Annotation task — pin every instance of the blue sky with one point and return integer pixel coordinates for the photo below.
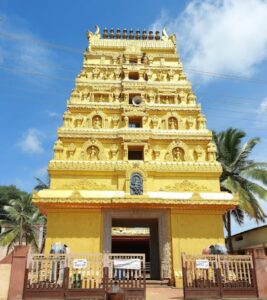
(222, 43)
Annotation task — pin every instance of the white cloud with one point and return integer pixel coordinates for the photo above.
(223, 36)
(263, 107)
(31, 141)
(53, 114)
(19, 47)
(261, 114)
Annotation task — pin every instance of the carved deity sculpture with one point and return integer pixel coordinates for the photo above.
(96, 72)
(191, 99)
(201, 122)
(116, 94)
(113, 152)
(93, 152)
(199, 154)
(82, 74)
(136, 184)
(151, 97)
(211, 151)
(115, 121)
(58, 149)
(178, 154)
(76, 94)
(182, 76)
(78, 121)
(156, 153)
(190, 122)
(183, 97)
(173, 124)
(97, 122)
(67, 119)
(70, 151)
(171, 74)
(155, 122)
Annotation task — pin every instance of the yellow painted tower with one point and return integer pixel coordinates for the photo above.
(134, 151)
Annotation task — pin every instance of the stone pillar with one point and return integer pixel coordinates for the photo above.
(16, 284)
(260, 261)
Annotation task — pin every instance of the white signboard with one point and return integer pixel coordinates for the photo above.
(133, 264)
(79, 263)
(202, 263)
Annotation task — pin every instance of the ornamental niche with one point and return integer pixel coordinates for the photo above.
(97, 122)
(178, 154)
(92, 153)
(136, 184)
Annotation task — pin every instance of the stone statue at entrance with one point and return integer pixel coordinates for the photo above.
(136, 184)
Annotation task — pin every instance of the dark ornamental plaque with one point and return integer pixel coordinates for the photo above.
(136, 184)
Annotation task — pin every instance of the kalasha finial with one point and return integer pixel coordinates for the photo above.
(137, 34)
(150, 35)
(131, 34)
(111, 33)
(118, 34)
(124, 34)
(105, 33)
(144, 35)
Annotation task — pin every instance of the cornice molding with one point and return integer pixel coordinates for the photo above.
(119, 165)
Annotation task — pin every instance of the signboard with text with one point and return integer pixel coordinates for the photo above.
(202, 263)
(79, 263)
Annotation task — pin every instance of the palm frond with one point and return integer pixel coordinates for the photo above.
(9, 236)
(41, 185)
(257, 174)
(244, 152)
(238, 215)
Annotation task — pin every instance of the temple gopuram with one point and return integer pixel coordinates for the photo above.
(134, 167)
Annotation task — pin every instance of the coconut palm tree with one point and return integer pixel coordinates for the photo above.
(41, 185)
(22, 221)
(8, 192)
(241, 175)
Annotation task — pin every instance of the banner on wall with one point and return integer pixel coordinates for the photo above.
(132, 264)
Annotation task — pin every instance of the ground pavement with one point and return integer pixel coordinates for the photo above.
(164, 293)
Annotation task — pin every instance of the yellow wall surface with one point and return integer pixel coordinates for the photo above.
(5, 270)
(191, 233)
(80, 230)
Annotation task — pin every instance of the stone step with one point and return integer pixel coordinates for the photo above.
(157, 283)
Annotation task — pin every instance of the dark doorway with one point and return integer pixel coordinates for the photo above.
(136, 243)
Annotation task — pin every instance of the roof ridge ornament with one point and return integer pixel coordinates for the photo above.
(94, 36)
(165, 35)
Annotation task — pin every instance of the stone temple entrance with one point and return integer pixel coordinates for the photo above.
(139, 236)
(155, 244)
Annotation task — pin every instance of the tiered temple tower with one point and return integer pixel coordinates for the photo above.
(134, 151)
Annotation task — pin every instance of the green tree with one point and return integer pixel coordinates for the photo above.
(22, 221)
(8, 192)
(241, 175)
